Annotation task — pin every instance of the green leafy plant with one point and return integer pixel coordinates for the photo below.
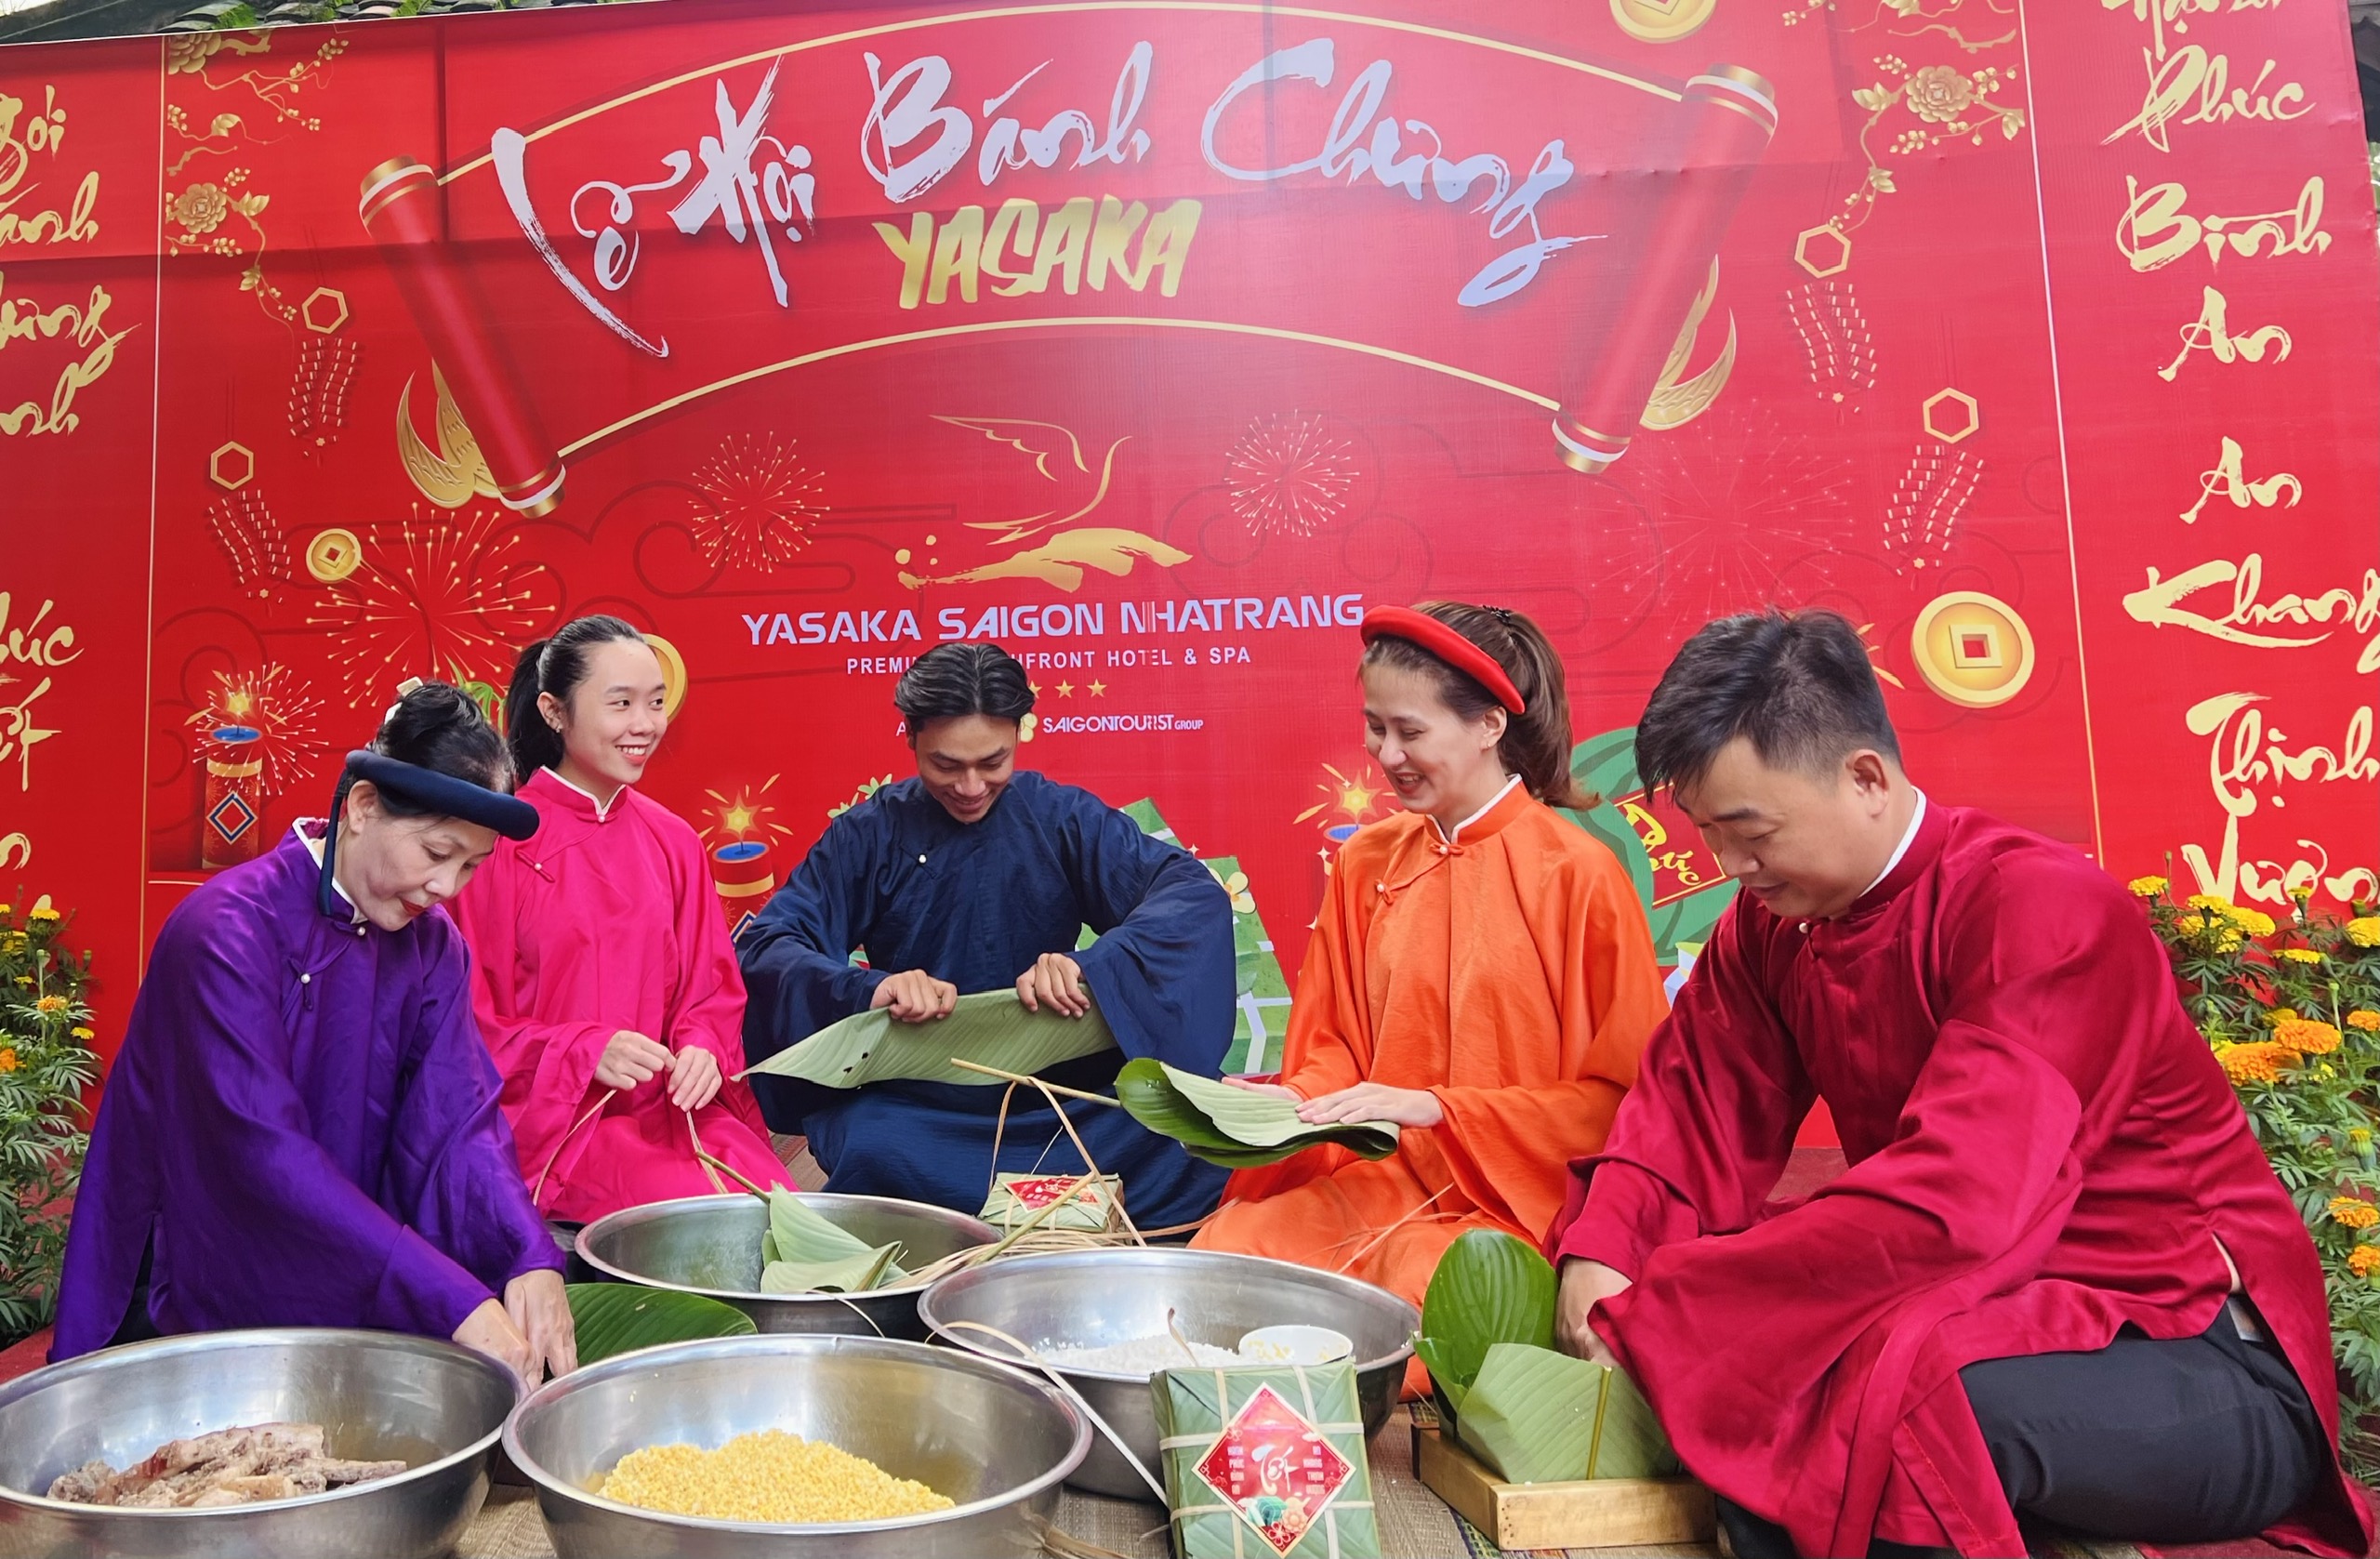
(1232, 1126)
(45, 1063)
(618, 1317)
(2290, 1005)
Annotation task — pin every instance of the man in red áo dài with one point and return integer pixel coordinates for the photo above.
(2058, 1279)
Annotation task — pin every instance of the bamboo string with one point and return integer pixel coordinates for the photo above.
(1044, 1087)
(1374, 1242)
(592, 1111)
(1029, 1354)
(704, 1159)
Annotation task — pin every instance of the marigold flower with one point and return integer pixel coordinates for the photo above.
(2359, 1137)
(2364, 932)
(2281, 1014)
(83, 1034)
(2147, 886)
(2255, 922)
(8, 1059)
(2301, 955)
(2215, 902)
(2306, 1037)
(2259, 1063)
(50, 1004)
(44, 913)
(2354, 1212)
(2362, 1259)
(2364, 1019)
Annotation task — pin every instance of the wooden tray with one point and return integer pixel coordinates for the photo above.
(1594, 1512)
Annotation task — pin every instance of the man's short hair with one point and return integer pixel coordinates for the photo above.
(950, 682)
(1798, 685)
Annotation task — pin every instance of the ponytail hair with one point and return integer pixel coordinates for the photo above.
(555, 666)
(1536, 741)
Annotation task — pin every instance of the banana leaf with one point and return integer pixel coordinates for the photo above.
(849, 1275)
(991, 1028)
(617, 1317)
(1230, 1126)
(1537, 1416)
(1488, 1289)
(800, 1237)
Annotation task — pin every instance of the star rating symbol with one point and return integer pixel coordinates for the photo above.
(1035, 686)
(1099, 689)
(1065, 689)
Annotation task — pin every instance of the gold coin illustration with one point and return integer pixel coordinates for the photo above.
(1661, 22)
(333, 555)
(1973, 649)
(673, 675)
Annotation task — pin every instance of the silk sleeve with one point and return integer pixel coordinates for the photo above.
(1163, 969)
(1706, 1131)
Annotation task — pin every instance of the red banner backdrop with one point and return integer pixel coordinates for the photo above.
(1156, 339)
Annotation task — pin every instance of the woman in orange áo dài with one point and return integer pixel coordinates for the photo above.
(1481, 974)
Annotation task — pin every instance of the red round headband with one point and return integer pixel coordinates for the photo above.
(1403, 622)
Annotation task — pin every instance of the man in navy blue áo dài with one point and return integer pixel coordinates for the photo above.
(975, 876)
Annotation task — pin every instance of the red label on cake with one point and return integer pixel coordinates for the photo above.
(1275, 1469)
(1038, 1194)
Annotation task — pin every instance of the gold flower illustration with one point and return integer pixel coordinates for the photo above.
(1939, 94)
(200, 208)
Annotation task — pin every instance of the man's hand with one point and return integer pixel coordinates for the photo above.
(1056, 979)
(631, 1060)
(1406, 1106)
(915, 996)
(694, 1077)
(1584, 1284)
(539, 1310)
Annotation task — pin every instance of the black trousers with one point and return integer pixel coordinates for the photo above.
(2200, 1440)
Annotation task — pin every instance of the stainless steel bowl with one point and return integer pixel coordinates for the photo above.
(380, 1395)
(1088, 1298)
(991, 1438)
(711, 1245)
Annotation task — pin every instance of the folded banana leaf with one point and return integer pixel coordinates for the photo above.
(1231, 1126)
(617, 1317)
(1016, 1199)
(1487, 1289)
(991, 1028)
(802, 1251)
(1537, 1416)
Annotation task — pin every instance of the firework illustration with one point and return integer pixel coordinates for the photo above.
(1289, 475)
(318, 389)
(1734, 516)
(251, 539)
(268, 717)
(1923, 515)
(745, 815)
(1348, 802)
(448, 597)
(1833, 331)
(870, 786)
(757, 503)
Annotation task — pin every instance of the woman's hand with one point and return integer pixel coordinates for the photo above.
(631, 1060)
(1270, 1091)
(694, 1077)
(1056, 979)
(1406, 1106)
(539, 1312)
(914, 996)
(489, 1329)
(1584, 1284)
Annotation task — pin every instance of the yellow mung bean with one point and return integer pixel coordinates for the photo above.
(769, 1476)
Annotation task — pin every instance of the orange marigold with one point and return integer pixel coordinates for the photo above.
(2364, 1019)
(2258, 1063)
(2306, 1037)
(50, 1004)
(2354, 1211)
(8, 1059)
(2362, 1259)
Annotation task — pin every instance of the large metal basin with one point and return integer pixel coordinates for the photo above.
(1087, 1299)
(378, 1394)
(711, 1245)
(991, 1438)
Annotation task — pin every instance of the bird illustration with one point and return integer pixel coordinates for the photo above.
(1045, 441)
(1062, 559)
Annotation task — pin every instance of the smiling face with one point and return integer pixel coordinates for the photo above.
(395, 869)
(612, 719)
(1439, 763)
(966, 761)
(1805, 844)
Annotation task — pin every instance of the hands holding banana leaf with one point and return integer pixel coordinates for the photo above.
(1372, 1102)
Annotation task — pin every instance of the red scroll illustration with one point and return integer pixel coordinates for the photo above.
(401, 209)
(1727, 119)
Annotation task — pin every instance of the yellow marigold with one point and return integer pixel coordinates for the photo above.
(2255, 922)
(2364, 1019)
(2364, 932)
(2281, 1014)
(2362, 1259)
(8, 910)
(2359, 1137)
(2147, 886)
(2306, 1037)
(2259, 1063)
(44, 913)
(50, 1004)
(2354, 1212)
(2215, 902)
(2301, 955)
(8, 1059)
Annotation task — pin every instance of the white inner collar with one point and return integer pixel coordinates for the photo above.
(1907, 838)
(1454, 834)
(313, 843)
(603, 808)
